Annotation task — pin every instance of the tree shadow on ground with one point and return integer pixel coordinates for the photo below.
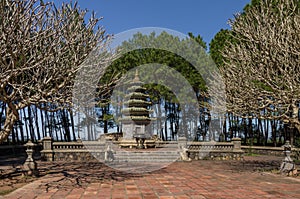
(81, 174)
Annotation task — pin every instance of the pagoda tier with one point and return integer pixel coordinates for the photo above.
(135, 111)
(137, 96)
(137, 103)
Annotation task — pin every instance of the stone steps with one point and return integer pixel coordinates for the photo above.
(146, 156)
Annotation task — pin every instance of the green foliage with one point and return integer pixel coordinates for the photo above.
(217, 44)
(142, 56)
(198, 39)
(275, 4)
(261, 72)
(261, 85)
(224, 37)
(251, 4)
(5, 192)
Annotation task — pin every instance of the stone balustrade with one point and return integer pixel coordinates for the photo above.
(83, 151)
(210, 146)
(216, 150)
(53, 151)
(79, 150)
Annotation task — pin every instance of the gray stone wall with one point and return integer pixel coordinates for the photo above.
(78, 151)
(83, 155)
(72, 151)
(216, 150)
(215, 155)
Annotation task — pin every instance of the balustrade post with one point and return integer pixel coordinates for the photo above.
(183, 150)
(47, 151)
(237, 150)
(288, 166)
(30, 167)
(182, 142)
(237, 144)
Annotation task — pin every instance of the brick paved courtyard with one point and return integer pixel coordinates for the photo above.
(197, 179)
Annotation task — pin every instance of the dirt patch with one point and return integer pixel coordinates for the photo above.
(11, 183)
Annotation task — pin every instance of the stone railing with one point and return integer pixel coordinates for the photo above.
(210, 146)
(53, 151)
(84, 151)
(216, 150)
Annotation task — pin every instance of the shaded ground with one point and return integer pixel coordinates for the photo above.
(197, 179)
(10, 173)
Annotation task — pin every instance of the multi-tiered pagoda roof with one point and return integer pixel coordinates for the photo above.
(137, 103)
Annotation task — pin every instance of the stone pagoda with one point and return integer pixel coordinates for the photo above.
(136, 114)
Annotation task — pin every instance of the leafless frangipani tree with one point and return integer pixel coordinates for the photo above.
(42, 48)
(262, 69)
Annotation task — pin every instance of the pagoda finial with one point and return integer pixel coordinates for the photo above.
(136, 77)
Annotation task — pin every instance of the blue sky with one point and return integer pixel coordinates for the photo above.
(204, 17)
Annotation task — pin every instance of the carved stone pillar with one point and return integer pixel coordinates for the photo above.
(47, 151)
(237, 144)
(30, 167)
(288, 166)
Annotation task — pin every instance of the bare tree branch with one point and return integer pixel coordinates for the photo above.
(262, 70)
(42, 48)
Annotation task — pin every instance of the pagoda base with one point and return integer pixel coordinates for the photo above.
(140, 140)
(131, 129)
(133, 144)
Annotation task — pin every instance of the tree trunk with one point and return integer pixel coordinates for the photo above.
(295, 122)
(105, 121)
(266, 130)
(184, 123)
(166, 120)
(159, 122)
(297, 127)
(3, 107)
(22, 131)
(260, 132)
(250, 131)
(31, 129)
(274, 132)
(230, 126)
(43, 122)
(245, 130)
(11, 118)
(224, 129)
(37, 123)
(72, 124)
(66, 124)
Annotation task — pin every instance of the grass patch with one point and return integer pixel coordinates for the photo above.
(252, 154)
(275, 171)
(5, 192)
(297, 161)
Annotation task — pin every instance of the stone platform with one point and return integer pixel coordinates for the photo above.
(197, 179)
